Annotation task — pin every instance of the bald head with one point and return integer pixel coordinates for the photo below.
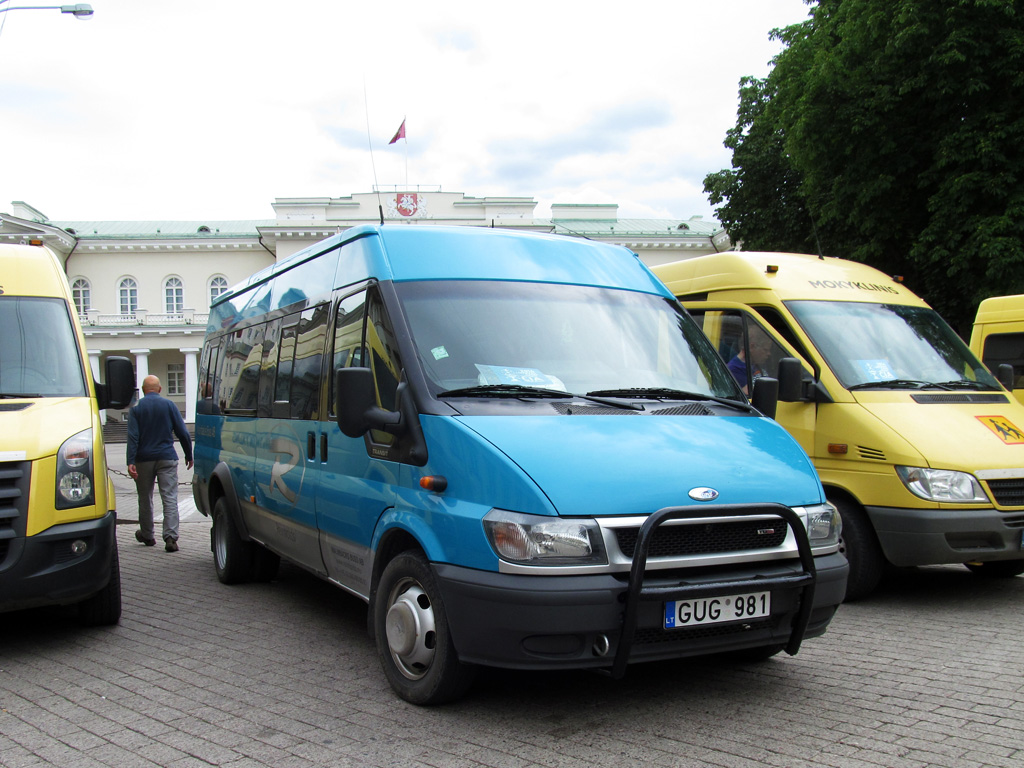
(150, 384)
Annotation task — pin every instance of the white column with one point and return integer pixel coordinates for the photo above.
(141, 366)
(94, 364)
(191, 382)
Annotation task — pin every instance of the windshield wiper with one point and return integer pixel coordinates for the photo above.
(20, 395)
(520, 390)
(665, 393)
(900, 384)
(966, 384)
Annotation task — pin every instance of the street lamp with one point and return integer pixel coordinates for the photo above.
(79, 10)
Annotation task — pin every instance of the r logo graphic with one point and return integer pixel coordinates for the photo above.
(282, 445)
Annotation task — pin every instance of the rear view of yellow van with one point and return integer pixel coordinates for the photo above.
(998, 338)
(57, 519)
(915, 441)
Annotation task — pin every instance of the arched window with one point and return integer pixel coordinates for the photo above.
(128, 293)
(80, 294)
(218, 285)
(174, 296)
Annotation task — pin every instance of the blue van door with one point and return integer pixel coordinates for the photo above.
(357, 479)
(288, 445)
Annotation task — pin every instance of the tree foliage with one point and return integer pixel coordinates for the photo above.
(894, 128)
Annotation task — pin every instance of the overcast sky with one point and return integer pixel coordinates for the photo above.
(211, 109)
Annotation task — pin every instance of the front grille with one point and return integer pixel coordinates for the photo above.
(1008, 493)
(706, 538)
(14, 485)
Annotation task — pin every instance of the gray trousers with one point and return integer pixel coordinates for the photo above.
(165, 473)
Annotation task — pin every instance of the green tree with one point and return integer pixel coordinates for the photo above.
(900, 126)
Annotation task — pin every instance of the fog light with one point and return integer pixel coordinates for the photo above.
(78, 547)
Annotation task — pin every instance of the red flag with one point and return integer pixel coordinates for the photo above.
(400, 134)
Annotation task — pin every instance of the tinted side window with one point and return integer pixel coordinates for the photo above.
(240, 370)
(307, 369)
(347, 349)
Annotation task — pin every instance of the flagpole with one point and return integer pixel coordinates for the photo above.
(406, 158)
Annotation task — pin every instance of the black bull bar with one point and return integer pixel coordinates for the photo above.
(637, 591)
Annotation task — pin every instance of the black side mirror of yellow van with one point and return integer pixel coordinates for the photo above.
(766, 396)
(791, 384)
(119, 388)
(1005, 375)
(355, 403)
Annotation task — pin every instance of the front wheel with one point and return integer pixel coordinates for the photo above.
(998, 569)
(859, 544)
(413, 639)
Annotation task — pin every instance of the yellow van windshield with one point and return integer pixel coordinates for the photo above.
(890, 346)
(38, 353)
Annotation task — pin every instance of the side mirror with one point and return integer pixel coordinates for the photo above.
(120, 386)
(766, 396)
(1005, 375)
(355, 403)
(791, 385)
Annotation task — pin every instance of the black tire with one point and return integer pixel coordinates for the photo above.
(232, 557)
(999, 569)
(413, 640)
(104, 608)
(859, 544)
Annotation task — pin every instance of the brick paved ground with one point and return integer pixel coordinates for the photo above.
(930, 672)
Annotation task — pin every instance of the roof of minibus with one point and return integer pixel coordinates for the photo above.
(415, 252)
(787, 275)
(31, 270)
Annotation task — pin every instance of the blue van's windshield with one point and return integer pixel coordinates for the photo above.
(568, 338)
(890, 346)
(38, 353)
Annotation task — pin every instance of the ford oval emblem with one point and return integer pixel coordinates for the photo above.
(703, 494)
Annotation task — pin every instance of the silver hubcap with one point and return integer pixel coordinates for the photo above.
(409, 625)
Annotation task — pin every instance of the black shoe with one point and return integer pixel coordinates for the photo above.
(171, 545)
(143, 540)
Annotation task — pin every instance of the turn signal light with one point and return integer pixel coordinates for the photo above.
(435, 483)
(838, 448)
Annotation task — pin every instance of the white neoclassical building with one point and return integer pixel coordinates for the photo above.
(143, 288)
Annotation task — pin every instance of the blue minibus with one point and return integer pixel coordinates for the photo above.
(516, 448)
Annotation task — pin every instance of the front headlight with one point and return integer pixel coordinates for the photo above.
(823, 524)
(942, 485)
(74, 471)
(540, 540)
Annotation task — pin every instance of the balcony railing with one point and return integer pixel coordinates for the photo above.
(93, 318)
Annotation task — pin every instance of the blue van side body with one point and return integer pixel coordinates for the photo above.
(357, 508)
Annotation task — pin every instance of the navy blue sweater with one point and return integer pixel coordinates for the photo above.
(152, 425)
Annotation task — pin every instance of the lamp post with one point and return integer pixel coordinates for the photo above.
(79, 10)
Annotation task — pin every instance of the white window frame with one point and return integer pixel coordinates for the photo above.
(128, 295)
(174, 296)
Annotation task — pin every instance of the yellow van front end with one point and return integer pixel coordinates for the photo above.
(916, 443)
(57, 519)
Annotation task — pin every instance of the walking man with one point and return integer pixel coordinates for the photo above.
(152, 426)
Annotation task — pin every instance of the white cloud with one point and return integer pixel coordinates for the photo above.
(212, 108)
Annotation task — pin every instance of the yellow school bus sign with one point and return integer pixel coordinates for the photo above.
(1003, 428)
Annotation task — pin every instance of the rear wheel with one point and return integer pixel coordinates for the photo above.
(232, 557)
(999, 569)
(859, 544)
(413, 640)
(104, 608)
